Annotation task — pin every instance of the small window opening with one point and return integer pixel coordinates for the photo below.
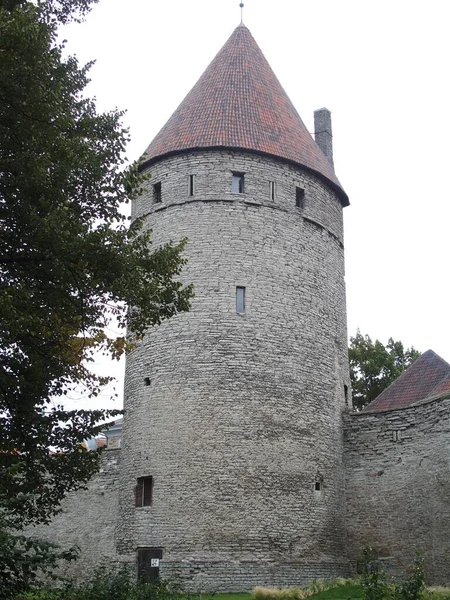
(144, 491)
(240, 299)
(147, 381)
(272, 190)
(318, 485)
(299, 197)
(191, 185)
(157, 196)
(237, 183)
(346, 393)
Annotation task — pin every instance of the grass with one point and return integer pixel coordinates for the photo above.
(239, 596)
(437, 593)
(343, 592)
(316, 589)
(340, 590)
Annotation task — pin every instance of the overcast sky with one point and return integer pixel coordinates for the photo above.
(381, 68)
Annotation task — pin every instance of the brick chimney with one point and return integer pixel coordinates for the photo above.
(323, 134)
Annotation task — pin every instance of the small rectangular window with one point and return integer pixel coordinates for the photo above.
(191, 185)
(299, 197)
(240, 299)
(272, 190)
(144, 491)
(157, 196)
(237, 183)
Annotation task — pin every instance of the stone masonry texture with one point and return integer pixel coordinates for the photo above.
(398, 486)
(88, 521)
(244, 412)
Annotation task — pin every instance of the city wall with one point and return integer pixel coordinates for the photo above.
(398, 485)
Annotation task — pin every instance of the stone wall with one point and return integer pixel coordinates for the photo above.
(244, 576)
(243, 414)
(398, 485)
(88, 520)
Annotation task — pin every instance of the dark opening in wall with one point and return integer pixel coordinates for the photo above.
(240, 299)
(144, 491)
(237, 183)
(318, 485)
(191, 185)
(346, 393)
(147, 381)
(272, 190)
(148, 560)
(157, 195)
(299, 197)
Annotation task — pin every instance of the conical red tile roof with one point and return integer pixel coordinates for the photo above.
(239, 103)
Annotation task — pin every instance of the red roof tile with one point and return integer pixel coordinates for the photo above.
(442, 388)
(428, 376)
(239, 103)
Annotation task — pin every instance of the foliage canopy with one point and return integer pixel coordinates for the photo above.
(373, 366)
(69, 264)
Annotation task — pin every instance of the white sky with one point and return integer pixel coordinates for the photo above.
(382, 68)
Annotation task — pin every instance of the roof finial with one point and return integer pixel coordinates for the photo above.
(242, 12)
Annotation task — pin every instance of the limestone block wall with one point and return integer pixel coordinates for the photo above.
(88, 520)
(398, 485)
(243, 414)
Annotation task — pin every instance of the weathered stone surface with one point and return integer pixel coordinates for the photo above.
(243, 413)
(88, 520)
(398, 485)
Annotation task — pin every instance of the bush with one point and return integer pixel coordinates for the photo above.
(108, 584)
(413, 587)
(372, 576)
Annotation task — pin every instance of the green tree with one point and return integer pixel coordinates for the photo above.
(373, 366)
(69, 268)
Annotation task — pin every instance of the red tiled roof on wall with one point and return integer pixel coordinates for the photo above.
(239, 103)
(428, 376)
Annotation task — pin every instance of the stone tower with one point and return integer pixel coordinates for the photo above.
(232, 472)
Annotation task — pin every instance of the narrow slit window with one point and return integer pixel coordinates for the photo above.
(144, 491)
(147, 381)
(191, 185)
(299, 197)
(318, 485)
(157, 196)
(240, 299)
(237, 183)
(272, 190)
